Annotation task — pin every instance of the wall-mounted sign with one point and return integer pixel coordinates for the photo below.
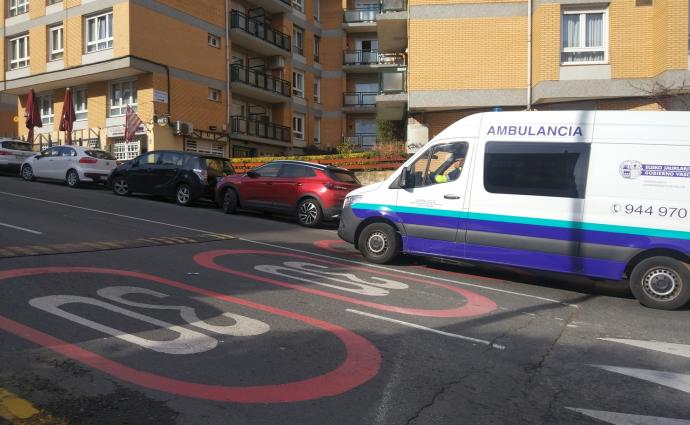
(160, 96)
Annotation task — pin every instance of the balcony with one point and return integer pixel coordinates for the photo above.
(258, 85)
(392, 99)
(391, 25)
(359, 102)
(361, 61)
(257, 36)
(274, 6)
(361, 141)
(362, 18)
(259, 131)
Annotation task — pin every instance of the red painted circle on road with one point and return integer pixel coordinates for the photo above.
(474, 304)
(362, 361)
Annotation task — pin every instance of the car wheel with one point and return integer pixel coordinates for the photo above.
(661, 282)
(229, 201)
(27, 173)
(309, 213)
(379, 243)
(183, 195)
(72, 178)
(120, 186)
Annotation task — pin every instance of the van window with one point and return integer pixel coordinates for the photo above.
(536, 169)
(16, 145)
(440, 164)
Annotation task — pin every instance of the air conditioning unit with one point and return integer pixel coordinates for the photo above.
(183, 128)
(276, 62)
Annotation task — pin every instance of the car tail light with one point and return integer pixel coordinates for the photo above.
(4, 153)
(202, 174)
(336, 186)
(86, 160)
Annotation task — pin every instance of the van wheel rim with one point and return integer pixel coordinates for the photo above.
(28, 173)
(183, 195)
(662, 284)
(308, 213)
(121, 186)
(377, 243)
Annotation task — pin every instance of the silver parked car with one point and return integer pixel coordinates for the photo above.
(71, 164)
(12, 154)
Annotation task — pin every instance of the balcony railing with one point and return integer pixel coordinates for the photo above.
(362, 99)
(361, 140)
(259, 128)
(239, 73)
(239, 20)
(392, 82)
(372, 57)
(365, 13)
(393, 5)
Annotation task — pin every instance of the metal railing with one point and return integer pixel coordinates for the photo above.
(239, 20)
(372, 57)
(393, 6)
(359, 99)
(361, 140)
(239, 73)
(259, 128)
(365, 13)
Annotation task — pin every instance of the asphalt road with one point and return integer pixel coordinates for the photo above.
(136, 311)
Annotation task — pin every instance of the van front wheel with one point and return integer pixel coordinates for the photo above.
(661, 282)
(379, 243)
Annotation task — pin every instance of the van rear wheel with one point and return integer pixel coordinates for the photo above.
(379, 243)
(661, 282)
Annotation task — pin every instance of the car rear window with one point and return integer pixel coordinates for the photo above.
(219, 166)
(17, 146)
(101, 155)
(343, 176)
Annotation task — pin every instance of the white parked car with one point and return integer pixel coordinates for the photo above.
(13, 153)
(71, 164)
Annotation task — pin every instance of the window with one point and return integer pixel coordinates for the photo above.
(122, 94)
(123, 150)
(55, 43)
(317, 90)
(298, 126)
(202, 146)
(296, 171)
(45, 106)
(298, 4)
(171, 158)
(317, 10)
(268, 170)
(213, 94)
(584, 36)
(19, 52)
(18, 7)
(214, 41)
(298, 36)
(317, 47)
(317, 131)
(67, 152)
(49, 2)
(298, 83)
(536, 169)
(441, 164)
(81, 111)
(99, 32)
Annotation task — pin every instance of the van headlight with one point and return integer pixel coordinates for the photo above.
(349, 200)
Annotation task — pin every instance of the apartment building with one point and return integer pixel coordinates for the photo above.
(471, 56)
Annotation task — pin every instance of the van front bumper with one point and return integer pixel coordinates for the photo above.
(347, 228)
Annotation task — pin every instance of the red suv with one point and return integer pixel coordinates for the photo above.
(313, 192)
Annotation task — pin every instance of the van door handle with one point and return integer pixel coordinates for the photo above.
(452, 197)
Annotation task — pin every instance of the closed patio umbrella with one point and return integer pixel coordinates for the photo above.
(67, 118)
(32, 114)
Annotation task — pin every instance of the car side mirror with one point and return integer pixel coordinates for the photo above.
(39, 156)
(253, 174)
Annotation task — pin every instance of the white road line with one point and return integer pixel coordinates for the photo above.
(424, 328)
(668, 379)
(628, 419)
(682, 350)
(21, 228)
(488, 288)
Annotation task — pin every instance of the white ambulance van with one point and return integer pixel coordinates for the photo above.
(604, 194)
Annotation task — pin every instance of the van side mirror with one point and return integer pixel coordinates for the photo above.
(406, 180)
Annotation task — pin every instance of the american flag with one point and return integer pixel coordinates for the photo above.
(132, 124)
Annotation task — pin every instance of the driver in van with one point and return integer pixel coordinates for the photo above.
(456, 169)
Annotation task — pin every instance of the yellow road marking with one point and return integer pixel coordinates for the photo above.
(18, 411)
